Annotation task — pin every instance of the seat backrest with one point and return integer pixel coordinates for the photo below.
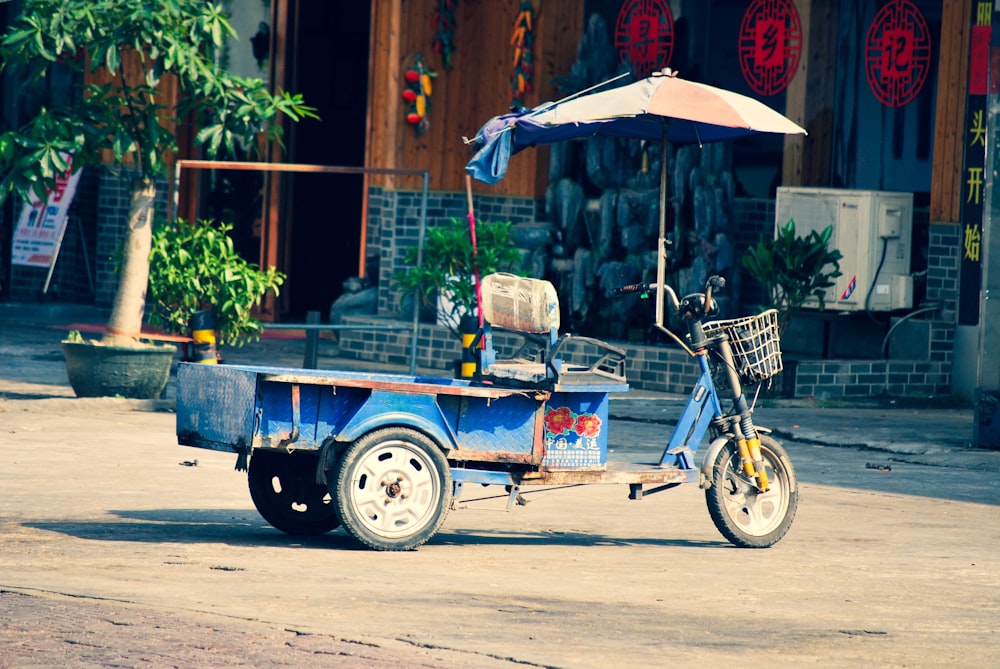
(520, 303)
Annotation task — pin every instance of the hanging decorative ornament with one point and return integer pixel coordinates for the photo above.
(417, 93)
(523, 41)
(770, 45)
(644, 35)
(898, 53)
(444, 30)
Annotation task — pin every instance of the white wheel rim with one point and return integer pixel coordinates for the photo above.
(395, 490)
(756, 514)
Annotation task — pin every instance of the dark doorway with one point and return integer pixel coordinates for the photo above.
(7, 208)
(328, 59)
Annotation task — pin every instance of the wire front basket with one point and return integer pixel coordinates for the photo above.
(755, 342)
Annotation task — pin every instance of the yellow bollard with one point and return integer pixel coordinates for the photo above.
(469, 326)
(203, 334)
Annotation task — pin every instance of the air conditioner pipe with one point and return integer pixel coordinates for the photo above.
(888, 335)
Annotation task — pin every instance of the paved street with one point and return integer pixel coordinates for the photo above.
(120, 548)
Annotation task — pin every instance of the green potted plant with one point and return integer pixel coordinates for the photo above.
(793, 269)
(448, 267)
(196, 276)
(138, 43)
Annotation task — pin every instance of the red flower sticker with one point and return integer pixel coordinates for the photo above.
(559, 421)
(588, 425)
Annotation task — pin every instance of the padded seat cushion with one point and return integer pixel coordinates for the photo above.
(520, 303)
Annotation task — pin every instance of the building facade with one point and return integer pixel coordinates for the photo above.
(892, 92)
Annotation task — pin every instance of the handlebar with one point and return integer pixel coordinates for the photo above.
(713, 282)
(643, 288)
(693, 308)
(696, 305)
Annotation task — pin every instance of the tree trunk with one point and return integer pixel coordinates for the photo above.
(129, 305)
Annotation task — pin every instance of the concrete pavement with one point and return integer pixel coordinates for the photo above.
(116, 551)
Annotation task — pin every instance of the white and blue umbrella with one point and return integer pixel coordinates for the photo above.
(659, 107)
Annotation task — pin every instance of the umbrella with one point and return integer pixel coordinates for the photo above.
(660, 107)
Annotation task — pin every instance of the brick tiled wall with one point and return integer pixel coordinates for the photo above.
(944, 242)
(943, 262)
(900, 378)
(394, 227)
(112, 217)
(667, 368)
(753, 219)
(661, 368)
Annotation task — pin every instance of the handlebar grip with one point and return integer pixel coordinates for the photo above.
(710, 307)
(631, 288)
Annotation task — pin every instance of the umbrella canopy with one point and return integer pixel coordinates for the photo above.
(659, 107)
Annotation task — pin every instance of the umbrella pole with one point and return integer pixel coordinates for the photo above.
(661, 252)
(475, 251)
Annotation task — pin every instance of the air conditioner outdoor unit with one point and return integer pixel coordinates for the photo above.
(873, 231)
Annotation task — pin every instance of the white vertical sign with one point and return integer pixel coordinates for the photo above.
(41, 224)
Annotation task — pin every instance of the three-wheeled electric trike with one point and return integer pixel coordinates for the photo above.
(387, 455)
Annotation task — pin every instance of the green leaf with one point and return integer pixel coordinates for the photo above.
(792, 268)
(827, 233)
(40, 47)
(112, 60)
(448, 261)
(195, 266)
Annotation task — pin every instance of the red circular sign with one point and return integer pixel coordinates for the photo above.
(770, 45)
(644, 35)
(897, 53)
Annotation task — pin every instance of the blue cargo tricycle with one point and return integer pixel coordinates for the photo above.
(387, 455)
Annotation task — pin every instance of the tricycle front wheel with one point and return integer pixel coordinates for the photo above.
(393, 489)
(744, 515)
(283, 488)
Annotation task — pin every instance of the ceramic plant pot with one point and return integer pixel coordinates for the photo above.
(136, 372)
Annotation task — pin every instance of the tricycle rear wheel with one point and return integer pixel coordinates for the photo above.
(283, 488)
(745, 516)
(393, 489)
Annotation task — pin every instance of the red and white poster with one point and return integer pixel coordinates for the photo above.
(41, 224)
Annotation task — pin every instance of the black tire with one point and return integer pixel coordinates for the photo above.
(744, 516)
(393, 489)
(283, 488)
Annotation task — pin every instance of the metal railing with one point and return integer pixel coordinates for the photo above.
(313, 329)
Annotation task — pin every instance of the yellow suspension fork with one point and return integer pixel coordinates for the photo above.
(753, 462)
(749, 447)
(750, 457)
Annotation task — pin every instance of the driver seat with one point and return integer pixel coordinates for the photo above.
(530, 308)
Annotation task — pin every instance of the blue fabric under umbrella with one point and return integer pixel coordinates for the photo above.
(658, 107)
